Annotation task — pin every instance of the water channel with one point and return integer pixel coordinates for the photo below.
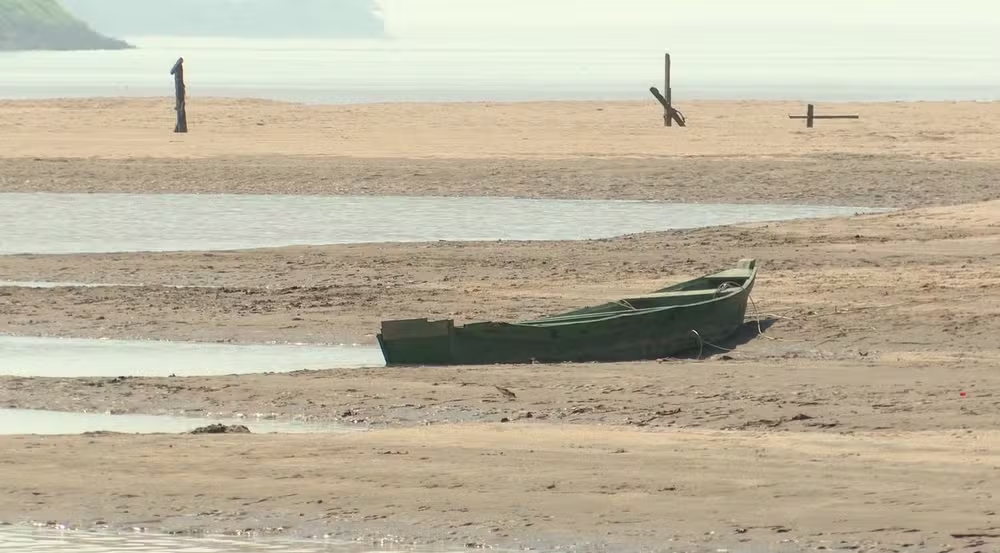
(28, 540)
(72, 357)
(15, 422)
(42, 223)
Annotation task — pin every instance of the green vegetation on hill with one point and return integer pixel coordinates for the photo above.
(46, 25)
(331, 19)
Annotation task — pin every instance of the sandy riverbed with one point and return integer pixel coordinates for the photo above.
(533, 485)
(898, 154)
(844, 422)
(908, 281)
(141, 128)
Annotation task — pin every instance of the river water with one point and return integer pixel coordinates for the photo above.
(802, 61)
(78, 223)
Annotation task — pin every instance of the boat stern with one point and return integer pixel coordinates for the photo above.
(416, 342)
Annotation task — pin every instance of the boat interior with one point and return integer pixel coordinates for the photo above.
(686, 293)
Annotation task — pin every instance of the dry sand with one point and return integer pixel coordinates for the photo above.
(842, 426)
(141, 128)
(904, 154)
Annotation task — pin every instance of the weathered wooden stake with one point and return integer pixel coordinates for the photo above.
(668, 93)
(810, 116)
(179, 90)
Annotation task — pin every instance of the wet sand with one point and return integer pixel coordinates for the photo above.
(838, 422)
(816, 179)
(902, 392)
(530, 486)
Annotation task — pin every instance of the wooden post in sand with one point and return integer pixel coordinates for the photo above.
(668, 92)
(670, 115)
(179, 90)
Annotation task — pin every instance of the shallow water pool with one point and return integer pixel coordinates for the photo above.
(45, 284)
(73, 357)
(53, 541)
(73, 284)
(27, 421)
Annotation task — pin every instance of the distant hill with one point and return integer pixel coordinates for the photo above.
(45, 25)
(232, 18)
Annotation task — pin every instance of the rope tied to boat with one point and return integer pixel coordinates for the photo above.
(626, 304)
(728, 287)
(701, 341)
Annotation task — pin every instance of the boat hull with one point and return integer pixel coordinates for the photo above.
(613, 332)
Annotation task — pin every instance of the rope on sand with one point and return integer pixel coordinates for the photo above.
(702, 343)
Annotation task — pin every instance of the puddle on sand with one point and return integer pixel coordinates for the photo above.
(39, 284)
(50, 541)
(27, 421)
(71, 284)
(74, 223)
(64, 541)
(72, 357)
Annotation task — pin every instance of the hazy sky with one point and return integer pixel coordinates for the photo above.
(421, 17)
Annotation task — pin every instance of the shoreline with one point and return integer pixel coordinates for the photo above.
(860, 209)
(642, 98)
(223, 94)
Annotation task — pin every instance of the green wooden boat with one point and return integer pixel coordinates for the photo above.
(652, 326)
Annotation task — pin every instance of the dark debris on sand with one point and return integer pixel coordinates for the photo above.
(221, 429)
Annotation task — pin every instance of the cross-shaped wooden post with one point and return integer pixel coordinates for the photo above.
(670, 115)
(811, 116)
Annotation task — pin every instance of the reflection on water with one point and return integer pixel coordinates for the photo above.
(74, 223)
(27, 421)
(71, 357)
(50, 541)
